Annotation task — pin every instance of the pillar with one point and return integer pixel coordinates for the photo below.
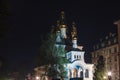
(72, 74)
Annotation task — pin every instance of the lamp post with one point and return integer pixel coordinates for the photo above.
(37, 78)
(104, 77)
(109, 75)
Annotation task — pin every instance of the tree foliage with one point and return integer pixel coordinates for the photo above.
(53, 56)
(100, 70)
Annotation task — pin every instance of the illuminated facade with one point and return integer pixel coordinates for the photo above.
(76, 68)
(108, 48)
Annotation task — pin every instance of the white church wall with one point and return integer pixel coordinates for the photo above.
(77, 55)
(89, 67)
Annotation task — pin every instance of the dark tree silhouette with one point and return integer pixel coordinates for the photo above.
(52, 56)
(100, 69)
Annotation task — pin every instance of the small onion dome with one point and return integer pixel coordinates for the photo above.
(58, 31)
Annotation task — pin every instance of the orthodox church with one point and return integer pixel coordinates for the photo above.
(76, 68)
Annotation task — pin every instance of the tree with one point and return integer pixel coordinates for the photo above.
(53, 56)
(100, 70)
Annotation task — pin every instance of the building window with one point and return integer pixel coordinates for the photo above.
(109, 50)
(110, 60)
(115, 58)
(112, 50)
(115, 40)
(115, 49)
(116, 67)
(109, 42)
(69, 56)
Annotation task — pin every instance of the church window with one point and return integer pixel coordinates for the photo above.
(75, 56)
(115, 58)
(81, 74)
(87, 73)
(79, 57)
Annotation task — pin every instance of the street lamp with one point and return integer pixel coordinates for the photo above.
(104, 77)
(37, 78)
(109, 75)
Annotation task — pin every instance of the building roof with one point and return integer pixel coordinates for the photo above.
(107, 41)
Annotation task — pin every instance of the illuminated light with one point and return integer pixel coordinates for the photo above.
(104, 77)
(80, 47)
(74, 38)
(109, 73)
(58, 31)
(37, 78)
(63, 26)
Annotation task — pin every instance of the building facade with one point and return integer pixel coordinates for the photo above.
(76, 67)
(118, 27)
(108, 48)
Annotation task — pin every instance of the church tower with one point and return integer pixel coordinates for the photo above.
(74, 35)
(63, 25)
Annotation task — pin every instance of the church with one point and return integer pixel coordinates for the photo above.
(76, 68)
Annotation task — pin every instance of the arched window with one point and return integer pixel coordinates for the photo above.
(75, 73)
(75, 56)
(86, 73)
(81, 74)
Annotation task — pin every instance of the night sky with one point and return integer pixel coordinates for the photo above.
(28, 19)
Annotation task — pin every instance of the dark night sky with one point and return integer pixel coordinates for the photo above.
(31, 18)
